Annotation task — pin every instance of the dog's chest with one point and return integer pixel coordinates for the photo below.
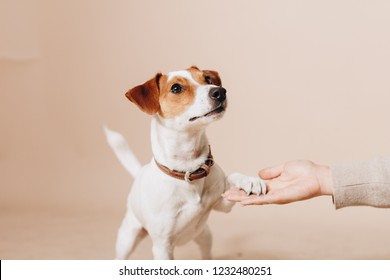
(191, 215)
(170, 207)
(193, 201)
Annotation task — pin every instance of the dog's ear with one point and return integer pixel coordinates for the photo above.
(146, 96)
(213, 76)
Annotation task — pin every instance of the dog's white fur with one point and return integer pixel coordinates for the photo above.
(170, 210)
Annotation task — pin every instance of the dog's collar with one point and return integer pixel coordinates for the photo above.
(189, 176)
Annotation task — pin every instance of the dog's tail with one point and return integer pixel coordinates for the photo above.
(125, 155)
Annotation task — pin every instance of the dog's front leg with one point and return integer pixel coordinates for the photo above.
(251, 185)
(162, 250)
(204, 240)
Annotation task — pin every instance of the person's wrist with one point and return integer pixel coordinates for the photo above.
(324, 176)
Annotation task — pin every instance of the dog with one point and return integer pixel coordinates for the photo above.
(172, 196)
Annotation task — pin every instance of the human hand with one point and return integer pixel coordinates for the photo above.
(288, 182)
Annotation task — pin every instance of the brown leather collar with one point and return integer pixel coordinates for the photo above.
(188, 176)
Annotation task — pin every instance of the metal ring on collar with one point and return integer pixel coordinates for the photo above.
(187, 177)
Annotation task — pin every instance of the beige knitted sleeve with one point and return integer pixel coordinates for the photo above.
(362, 183)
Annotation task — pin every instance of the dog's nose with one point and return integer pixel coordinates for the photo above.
(218, 93)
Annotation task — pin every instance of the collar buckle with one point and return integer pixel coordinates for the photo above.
(187, 177)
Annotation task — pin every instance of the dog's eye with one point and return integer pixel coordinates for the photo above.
(208, 80)
(176, 88)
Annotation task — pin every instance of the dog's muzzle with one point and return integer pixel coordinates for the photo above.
(218, 96)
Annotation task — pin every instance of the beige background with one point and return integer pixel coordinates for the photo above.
(305, 80)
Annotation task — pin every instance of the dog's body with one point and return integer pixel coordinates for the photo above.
(174, 210)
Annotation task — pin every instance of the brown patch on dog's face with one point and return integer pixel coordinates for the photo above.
(176, 96)
(212, 77)
(205, 77)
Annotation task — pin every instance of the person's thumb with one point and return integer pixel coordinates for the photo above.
(271, 172)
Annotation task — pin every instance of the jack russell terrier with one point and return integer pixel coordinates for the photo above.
(172, 196)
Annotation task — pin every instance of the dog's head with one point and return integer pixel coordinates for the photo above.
(184, 98)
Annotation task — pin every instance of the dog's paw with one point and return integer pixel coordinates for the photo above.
(250, 185)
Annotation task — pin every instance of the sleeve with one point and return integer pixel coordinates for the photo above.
(362, 183)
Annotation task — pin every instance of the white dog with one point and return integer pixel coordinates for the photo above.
(173, 195)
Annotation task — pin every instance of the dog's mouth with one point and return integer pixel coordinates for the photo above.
(216, 111)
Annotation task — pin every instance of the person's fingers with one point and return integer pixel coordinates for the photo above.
(279, 196)
(234, 195)
(271, 172)
(260, 200)
(232, 191)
